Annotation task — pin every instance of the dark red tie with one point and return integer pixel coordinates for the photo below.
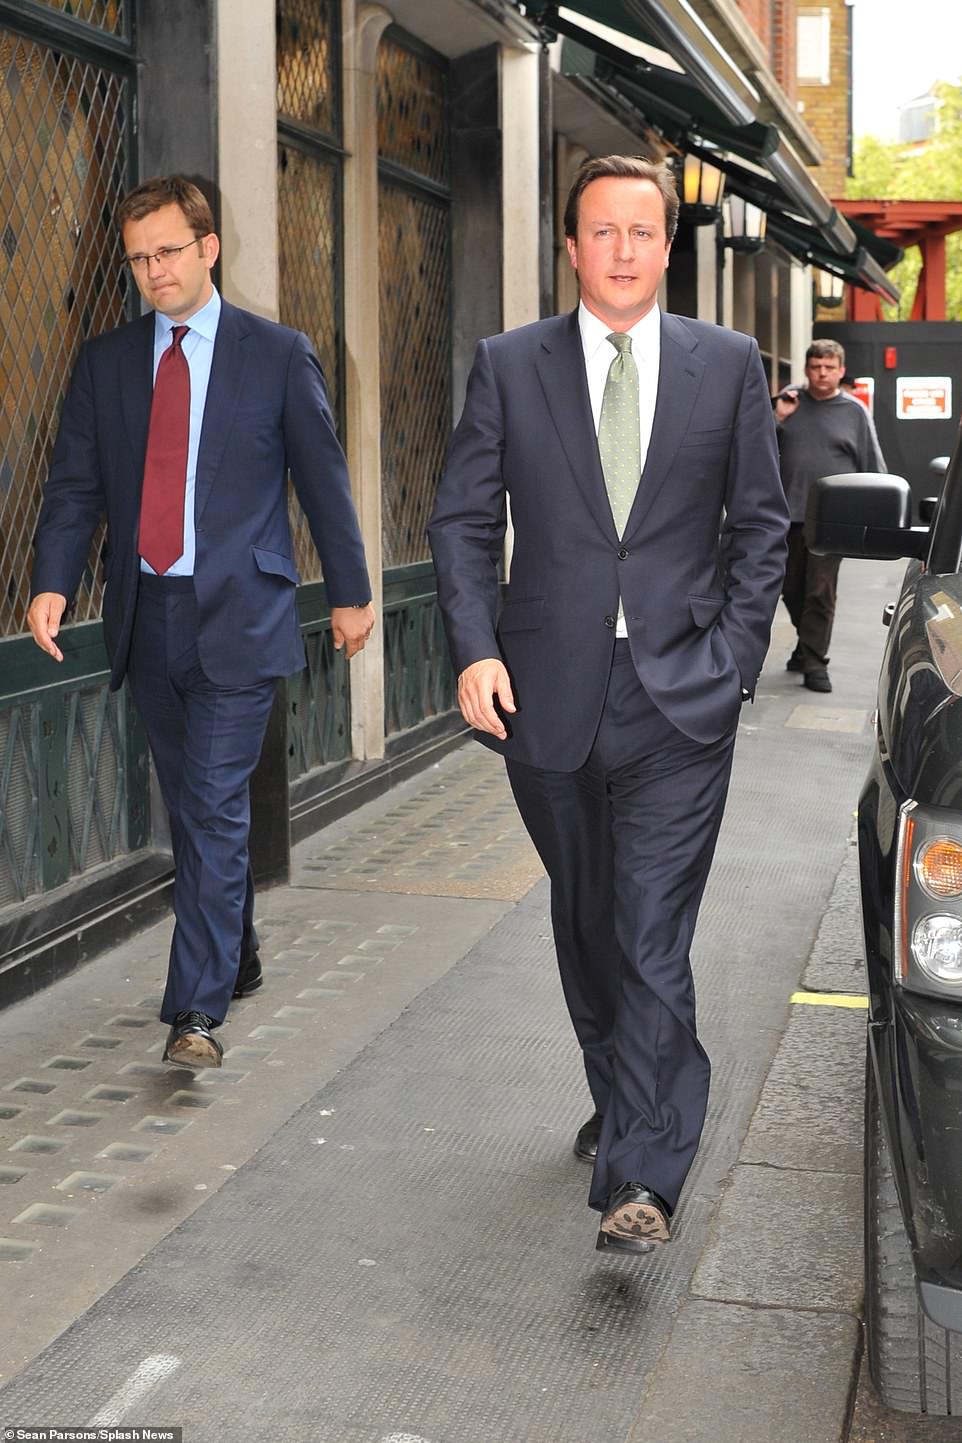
(165, 466)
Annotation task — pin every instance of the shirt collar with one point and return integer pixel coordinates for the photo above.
(645, 334)
(203, 321)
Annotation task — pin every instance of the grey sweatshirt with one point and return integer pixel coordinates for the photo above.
(824, 438)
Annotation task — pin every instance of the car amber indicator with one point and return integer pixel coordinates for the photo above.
(938, 868)
(903, 881)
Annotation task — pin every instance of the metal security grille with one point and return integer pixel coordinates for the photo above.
(415, 365)
(412, 124)
(418, 680)
(109, 15)
(307, 39)
(96, 777)
(308, 203)
(63, 169)
(415, 292)
(308, 186)
(319, 707)
(20, 812)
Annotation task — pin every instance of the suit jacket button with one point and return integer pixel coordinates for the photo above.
(609, 621)
(622, 554)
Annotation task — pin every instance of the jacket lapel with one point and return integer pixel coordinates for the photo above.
(561, 370)
(680, 373)
(137, 383)
(227, 369)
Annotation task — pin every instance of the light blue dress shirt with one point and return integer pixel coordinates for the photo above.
(198, 349)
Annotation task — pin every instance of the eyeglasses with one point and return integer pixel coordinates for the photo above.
(165, 254)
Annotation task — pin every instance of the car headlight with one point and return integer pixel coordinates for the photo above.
(928, 941)
(937, 947)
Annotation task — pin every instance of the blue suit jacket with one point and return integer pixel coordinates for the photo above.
(700, 564)
(266, 411)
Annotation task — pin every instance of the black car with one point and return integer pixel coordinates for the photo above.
(910, 862)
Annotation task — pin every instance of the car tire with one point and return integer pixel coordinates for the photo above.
(915, 1365)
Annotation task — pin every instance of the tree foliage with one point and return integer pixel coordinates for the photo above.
(895, 170)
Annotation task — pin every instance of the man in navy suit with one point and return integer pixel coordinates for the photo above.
(638, 453)
(202, 638)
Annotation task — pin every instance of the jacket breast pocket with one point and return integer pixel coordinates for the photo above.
(717, 436)
(522, 615)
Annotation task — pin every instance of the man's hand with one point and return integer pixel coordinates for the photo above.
(351, 625)
(44, 618)
(478, 685)
(786, 404)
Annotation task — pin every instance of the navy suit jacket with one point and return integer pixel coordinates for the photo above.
(266, 411)
(699, 567)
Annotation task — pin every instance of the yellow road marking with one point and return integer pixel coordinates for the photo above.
(829, 999)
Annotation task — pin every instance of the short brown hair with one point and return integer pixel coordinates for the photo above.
(824, 348)
(627, 167)
(164, 190)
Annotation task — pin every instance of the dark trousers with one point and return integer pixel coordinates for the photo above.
(627, 841)
(809, 591)
(205, 741)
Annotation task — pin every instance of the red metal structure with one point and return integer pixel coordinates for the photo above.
(922, 223)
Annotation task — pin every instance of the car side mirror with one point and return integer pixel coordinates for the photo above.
(864, 514)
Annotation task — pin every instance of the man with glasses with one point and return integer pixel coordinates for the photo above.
(180, 428)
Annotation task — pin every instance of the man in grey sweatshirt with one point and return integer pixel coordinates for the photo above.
(821, 431)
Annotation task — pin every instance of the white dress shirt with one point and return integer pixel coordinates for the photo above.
(599, 354)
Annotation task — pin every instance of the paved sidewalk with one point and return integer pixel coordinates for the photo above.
(369, 1226)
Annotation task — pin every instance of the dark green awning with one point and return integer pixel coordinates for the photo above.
(603, 12)
(682, 109)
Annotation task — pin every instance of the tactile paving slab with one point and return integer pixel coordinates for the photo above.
(454, 832)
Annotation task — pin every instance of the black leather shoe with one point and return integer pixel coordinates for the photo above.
(586, 1143)
(795, 662)
(249, 976)
(191, 1043)
(818, 679)
(635, 1220)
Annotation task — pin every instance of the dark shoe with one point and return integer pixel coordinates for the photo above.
(818, 679)
(249, 976)
(586, 1143)
(795, 662)
(635, 1220)
(191, 1043)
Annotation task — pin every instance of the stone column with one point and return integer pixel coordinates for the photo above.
(247, 153)
(706, 261)
(520, 172)
(800, 281)
(363, 25)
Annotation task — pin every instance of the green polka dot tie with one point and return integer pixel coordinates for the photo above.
(619, 441)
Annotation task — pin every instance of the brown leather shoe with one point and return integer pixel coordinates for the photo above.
(586, 1143)
(191, 1043)
(635, 1220)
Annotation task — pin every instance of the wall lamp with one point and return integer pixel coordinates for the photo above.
(702, 187)
(744, 225)
(829, 288)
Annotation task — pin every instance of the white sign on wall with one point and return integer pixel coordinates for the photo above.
(923, 398)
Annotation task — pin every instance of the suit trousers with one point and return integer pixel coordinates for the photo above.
(627, 841)
(205, 741)
(809, 591)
